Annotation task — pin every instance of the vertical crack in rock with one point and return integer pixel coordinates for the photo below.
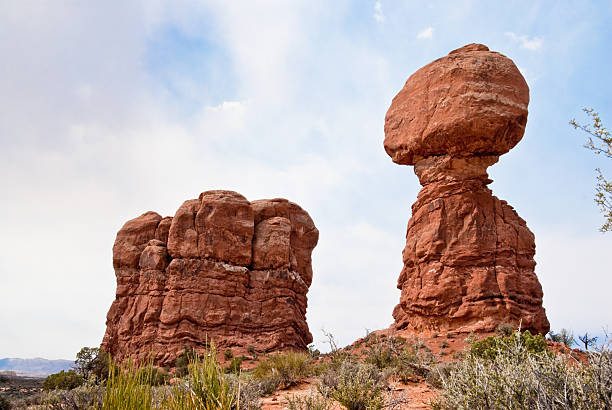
(468, 260)
(216, 271)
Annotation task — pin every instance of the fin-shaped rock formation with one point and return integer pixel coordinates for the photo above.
(468, 260)
(223, 269)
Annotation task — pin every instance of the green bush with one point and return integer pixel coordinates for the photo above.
(92, 361)
(181, 363)
(62, 380)
(490, 347)
(3, 378)
(287, 368)
(357, 386)
(235, 364)
(228, 354)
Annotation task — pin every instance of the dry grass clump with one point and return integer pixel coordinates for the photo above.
(282, 370)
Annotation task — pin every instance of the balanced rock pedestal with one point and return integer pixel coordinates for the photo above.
(223, 269)
(468, 260)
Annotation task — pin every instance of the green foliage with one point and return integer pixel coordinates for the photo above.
(357, 386)
(228, 354)
(3, 378)
(517, 377)
(235, 364)
(564, 336)
(600, 142)
(92, 361)
(206, 387)
(286, 368)
(63, 380)
(129, 388)
(381, 353)
(181, 363)
(490, 347)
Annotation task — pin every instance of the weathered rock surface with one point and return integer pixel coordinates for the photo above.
(468, 260)
(223, 269)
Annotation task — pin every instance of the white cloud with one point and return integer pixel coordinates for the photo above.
(426, 33)
(378, 12)
(532, 44)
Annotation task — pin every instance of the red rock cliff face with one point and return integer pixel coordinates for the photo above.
(222, 269)
(468, 260)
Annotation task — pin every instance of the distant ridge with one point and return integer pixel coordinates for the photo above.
(36, 367)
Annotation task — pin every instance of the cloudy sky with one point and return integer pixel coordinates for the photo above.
(110, 109)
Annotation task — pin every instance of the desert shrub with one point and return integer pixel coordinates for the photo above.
(64, 380)
(444, 344)
(181, 363)
(357, 386)
(505, 329)
(491, 346)
(268, 385)
(383, 353)
(413, 362)
(287, 367)
(87, 396)
(228, 354)
(250, 392)
(235, 364)
(4, 378)
(564, 336)
(438, 373)
(312, 401)
(4, 404)
(518, 377)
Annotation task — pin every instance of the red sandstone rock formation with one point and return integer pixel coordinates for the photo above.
(222, 269)
(468, 260)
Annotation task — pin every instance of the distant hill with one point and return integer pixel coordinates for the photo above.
(34, 367)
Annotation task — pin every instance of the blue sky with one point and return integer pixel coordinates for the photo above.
(115, 108)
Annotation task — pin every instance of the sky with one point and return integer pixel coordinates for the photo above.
(111, 109)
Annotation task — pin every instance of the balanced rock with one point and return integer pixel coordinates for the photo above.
(468, 260)
(222, 270)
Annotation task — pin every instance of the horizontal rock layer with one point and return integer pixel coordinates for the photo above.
(223, 269)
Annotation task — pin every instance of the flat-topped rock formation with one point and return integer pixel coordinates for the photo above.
(223, 269)
(468, 260)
